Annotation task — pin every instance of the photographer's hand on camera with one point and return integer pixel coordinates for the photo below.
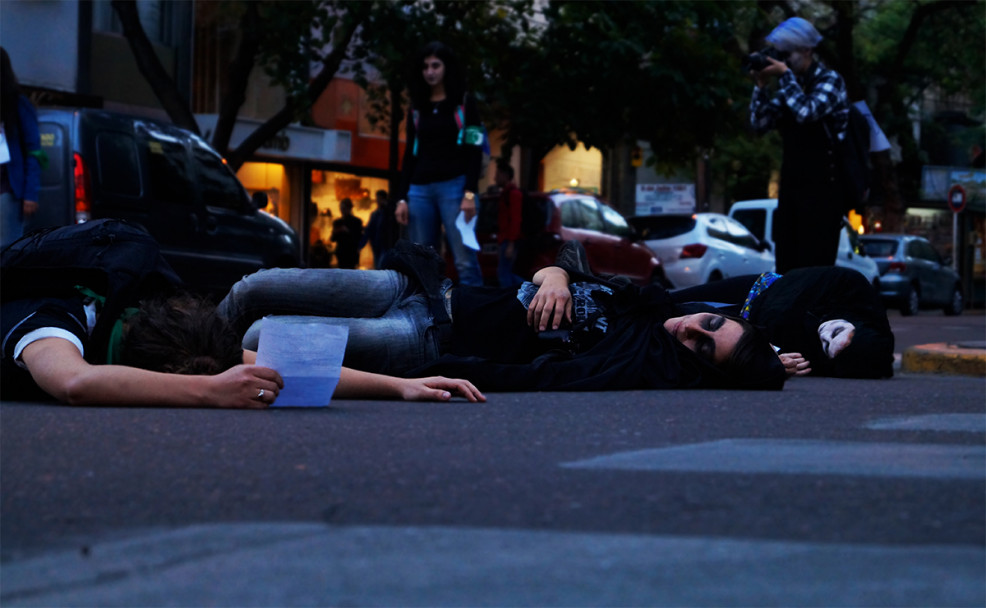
(775, 68)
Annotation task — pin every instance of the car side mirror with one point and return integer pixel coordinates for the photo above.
(259, 199)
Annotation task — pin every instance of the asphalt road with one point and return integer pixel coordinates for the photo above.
(831, 492)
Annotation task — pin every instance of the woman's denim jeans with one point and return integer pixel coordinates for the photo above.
(431, 206)
(390, 331)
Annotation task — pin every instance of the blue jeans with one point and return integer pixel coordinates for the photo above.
(11, 219)
(391, 331)
(431, 206)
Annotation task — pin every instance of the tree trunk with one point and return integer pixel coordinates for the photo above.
(150, 66)
(396, 115)
(294, 105)
(234, 93)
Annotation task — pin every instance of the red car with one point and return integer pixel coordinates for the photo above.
(551, 218)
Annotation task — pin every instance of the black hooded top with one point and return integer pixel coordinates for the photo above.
(793, 307)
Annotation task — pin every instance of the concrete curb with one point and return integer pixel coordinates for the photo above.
(964, 358)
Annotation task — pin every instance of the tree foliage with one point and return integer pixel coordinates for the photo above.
(300, 45)
(602, 73)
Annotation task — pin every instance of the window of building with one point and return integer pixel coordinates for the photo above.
(328, 189)
(156, 16)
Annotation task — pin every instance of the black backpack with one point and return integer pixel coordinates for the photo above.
(113, 258)
(855, 153)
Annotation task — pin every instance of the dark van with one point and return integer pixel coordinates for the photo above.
(105, 164)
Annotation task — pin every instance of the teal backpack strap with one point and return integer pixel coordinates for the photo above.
(414, 117)
(460, 120)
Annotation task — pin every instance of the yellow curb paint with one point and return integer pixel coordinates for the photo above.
(944, 359)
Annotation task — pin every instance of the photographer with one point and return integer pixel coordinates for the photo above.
(809, 107)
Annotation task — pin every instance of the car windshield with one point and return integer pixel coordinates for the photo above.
(879, 248)
(654, 227)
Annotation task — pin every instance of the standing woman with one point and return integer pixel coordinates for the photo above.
(20, 150)
(442, 158)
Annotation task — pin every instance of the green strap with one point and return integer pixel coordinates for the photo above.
(115, 347)
(42, 157)
(115, 344)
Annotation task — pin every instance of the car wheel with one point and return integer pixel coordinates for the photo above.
(956, 304)
(714, 276)
(911, 302)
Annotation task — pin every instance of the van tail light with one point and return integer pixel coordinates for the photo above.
(897, 267)
(695, 250)
(83, 190)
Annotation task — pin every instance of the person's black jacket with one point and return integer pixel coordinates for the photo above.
(794, 306)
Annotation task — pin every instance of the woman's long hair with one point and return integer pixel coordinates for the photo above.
(454, 81)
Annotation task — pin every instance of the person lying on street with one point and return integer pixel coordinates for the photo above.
(566, 329)
(826, 320)
(173, 352)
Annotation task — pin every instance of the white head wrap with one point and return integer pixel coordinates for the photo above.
(793, 34)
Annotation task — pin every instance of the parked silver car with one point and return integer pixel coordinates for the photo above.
(701, 248)
(912, 274)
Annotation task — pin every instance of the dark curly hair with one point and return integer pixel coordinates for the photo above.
(180, 335)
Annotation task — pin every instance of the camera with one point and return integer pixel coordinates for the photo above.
(758, 60)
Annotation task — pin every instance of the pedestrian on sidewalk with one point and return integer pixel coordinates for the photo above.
(442, 158)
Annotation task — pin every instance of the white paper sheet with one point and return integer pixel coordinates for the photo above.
(878, 141)
(467, 230)
(4, 150)
(307, 355)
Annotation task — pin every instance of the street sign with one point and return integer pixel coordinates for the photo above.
(956, 198)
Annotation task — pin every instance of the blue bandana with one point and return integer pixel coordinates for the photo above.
(763, 282)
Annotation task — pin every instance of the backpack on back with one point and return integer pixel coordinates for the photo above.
(855, 152)
(113, 258)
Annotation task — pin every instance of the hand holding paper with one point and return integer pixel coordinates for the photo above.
(467, 230)
(307, 354)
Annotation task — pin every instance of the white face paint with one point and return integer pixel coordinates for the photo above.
(835, 335)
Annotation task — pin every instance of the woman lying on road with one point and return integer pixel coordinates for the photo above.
(565, 330)
(827, 321)
(174, 352)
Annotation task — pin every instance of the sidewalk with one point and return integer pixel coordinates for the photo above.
(966, 358)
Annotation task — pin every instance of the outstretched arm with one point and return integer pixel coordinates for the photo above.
(355, 384)
(59, 369)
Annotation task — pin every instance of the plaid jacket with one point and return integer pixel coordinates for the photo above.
(818, 94)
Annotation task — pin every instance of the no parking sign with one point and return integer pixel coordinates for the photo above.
(956, 198)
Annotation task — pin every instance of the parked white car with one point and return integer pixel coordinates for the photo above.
(697, 249)
(758, 217)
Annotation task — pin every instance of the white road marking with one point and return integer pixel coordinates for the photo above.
(803, 457)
